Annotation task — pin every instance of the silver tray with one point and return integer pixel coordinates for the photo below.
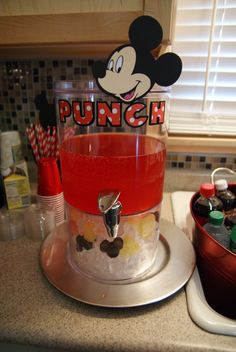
(174, 266)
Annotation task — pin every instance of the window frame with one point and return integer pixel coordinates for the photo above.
(187, 142)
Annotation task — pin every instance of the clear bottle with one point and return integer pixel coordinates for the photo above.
(232, 244)
(227, 197)
(216, 228)
(207, 201)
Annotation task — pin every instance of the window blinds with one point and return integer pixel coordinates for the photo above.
(203, 100)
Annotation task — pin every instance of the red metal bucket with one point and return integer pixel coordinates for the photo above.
(217, 267)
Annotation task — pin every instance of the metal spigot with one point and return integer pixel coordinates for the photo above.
(110, 208)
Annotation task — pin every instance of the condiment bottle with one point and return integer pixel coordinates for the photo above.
(227, 197)
(216, 228)
(232, 243)
(207, 201)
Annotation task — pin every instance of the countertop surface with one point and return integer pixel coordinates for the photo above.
(32, 312)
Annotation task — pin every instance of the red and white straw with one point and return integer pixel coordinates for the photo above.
(48, 138)
(53, 142)
(43, 143)
(32, 139)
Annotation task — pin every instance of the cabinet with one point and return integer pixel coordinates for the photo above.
(32, 28)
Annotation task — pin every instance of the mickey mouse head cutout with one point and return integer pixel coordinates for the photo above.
(131, 71)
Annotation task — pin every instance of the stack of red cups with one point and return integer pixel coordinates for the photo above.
(50, 193)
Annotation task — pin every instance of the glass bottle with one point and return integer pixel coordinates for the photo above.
(207, 201)
(230, 218)
(227, 197)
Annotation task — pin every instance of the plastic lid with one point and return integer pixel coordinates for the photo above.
(207, 190)
(233, 234)
(216, 217)
(221, 185)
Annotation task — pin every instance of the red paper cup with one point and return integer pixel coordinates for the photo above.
(49, 182)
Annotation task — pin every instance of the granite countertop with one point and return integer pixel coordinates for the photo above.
(32, 312)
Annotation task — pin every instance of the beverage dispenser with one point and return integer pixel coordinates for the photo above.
(113, 149)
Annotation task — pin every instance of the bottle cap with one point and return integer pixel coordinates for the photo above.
(221, 185)
(216, 217)
(233, 234)
(207, 190)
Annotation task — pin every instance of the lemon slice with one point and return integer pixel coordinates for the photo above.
(130, 246)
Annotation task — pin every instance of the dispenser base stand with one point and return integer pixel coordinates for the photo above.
(173, 267)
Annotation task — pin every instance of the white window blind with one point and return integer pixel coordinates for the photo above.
(203, 100)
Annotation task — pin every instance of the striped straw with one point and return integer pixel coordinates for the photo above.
(39, 135)
(57, 149)
(53, 142)
(48, 139)
(43, 143)
(32, 140)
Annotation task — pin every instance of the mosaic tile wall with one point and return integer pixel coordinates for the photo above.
(202, 162)
(21, 81)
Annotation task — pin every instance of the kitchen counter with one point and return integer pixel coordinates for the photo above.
(32, 312)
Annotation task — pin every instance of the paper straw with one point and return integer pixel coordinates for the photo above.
(44, 146)
(53, 142)
(34, 143)
(39, 136)
(43, 143)
(48, 140)
(32, 140)
(43, 140)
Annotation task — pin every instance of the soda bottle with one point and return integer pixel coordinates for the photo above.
(232, 243)
(216, 228)
(230, 218)
(207, 201)
(227, 197)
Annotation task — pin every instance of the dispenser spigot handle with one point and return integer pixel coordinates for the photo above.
(110, 207)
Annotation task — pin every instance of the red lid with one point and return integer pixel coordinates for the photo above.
(207, 190)
(49, 182)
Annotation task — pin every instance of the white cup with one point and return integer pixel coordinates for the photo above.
(39, 221)
(11, 225)
(11, 151)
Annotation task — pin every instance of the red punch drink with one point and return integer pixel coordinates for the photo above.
(131, 164)
(112, 157)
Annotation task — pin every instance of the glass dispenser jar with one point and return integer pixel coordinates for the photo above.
(112, 162)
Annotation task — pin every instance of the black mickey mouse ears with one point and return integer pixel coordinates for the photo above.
(168, 69)
(145, 33)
